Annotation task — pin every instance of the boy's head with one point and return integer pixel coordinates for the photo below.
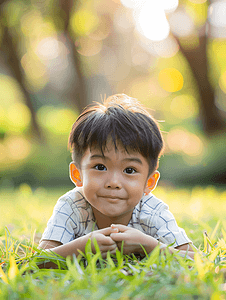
(122, 119)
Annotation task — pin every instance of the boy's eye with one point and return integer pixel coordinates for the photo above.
(129, 170)
(100, 167)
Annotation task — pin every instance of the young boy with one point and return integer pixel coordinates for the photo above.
(115, 150)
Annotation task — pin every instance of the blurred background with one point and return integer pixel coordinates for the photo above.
(57, 56)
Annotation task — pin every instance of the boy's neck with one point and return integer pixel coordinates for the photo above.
(103, 221)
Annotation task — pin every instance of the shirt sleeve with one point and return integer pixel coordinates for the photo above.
(168, 232)
(63, 224)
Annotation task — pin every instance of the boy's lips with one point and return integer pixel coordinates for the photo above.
(112, 197)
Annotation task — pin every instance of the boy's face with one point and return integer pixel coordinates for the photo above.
(114, 183)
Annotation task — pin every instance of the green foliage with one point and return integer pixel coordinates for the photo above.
(89, 276)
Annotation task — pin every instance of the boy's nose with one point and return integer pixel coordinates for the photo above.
(114, 181)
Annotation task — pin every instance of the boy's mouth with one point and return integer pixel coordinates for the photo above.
(112, 197)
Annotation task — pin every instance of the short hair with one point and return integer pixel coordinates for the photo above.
(125, 121)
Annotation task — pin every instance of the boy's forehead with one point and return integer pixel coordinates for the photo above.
(108, 147)
(111, 146)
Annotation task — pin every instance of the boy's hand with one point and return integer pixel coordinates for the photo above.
(132, 238)
(104, 241)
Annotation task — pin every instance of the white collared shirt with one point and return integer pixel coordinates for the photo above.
(73, 217)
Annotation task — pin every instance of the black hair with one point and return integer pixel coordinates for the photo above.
(125, 121)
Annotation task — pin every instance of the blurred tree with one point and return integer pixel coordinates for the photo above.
(65, 9)
(9, 49)
(69, 53)
(193, 30)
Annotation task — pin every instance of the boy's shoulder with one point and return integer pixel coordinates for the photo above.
(151, 203)
(74, 197)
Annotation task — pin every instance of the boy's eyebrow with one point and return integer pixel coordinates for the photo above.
(98, 156)
(136, 159)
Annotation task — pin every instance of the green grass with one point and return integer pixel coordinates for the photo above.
(200, 211)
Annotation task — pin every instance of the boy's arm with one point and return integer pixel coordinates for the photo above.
(186, 247)
(102, 237)
(133, 238)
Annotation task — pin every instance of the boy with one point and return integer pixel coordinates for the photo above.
(115, 150)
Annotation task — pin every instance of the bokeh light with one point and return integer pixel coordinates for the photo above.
(180, 140)
(88, 47)
(83, 22)
(56, 120)
(117, 46)
(217, 14)
(133, 3)
(167, 5)
(144, 88)
(166, 48)
(170, 6)
(31, 24)
(18, 147)
(123, 21)
(171, 80)
(50, 48)
(181, 23)
(184, 107)
(151, 21)
(35, 72)
(198, 12)
(18, 117)
(10, 91)
(102, 30)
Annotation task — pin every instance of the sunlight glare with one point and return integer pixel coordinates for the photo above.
(217, 14)
(170, 5)
(132, 3)
(196, 208)
(151, 21)
(150, 17)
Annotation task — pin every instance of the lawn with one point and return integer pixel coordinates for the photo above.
(200, 211)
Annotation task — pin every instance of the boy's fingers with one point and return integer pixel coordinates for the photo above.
(120, 227)
(108, 230)
(107, 240)
(105, 248)
(117, 237)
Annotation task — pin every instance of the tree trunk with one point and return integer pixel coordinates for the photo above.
(197, 59)
(81, 100)
(13, 61)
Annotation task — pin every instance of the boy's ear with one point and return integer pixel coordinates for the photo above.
(75, 174)
(152, 182)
